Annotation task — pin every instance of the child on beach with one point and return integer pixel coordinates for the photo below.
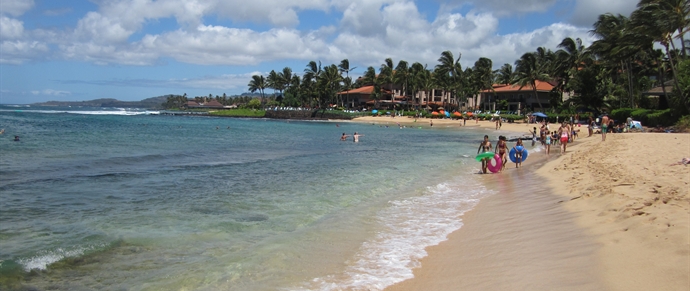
(548, 143)
(519, 147)
(564, 133)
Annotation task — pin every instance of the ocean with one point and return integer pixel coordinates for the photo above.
(121, 199)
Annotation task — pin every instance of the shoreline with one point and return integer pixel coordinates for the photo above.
(553, 236)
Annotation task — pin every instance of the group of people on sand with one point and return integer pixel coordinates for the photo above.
(355, 137)
(502, 151)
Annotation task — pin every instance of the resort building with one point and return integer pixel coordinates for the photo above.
(518, 98)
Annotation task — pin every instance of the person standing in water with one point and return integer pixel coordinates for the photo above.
(485, 146)
(356, 136)
(519, 147)
(344, 137)
(502, 151)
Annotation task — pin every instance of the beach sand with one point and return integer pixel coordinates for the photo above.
(610, 215)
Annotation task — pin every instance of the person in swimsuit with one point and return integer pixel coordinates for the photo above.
(564, 132)
(501, 150)
(485, 146)
(356, 136)
(548, 143)
(344, 137)
(519, 147)
(604, 126)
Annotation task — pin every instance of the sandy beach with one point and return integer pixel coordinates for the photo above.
(611, 215)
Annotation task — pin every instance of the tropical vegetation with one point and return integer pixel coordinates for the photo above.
(631, 55)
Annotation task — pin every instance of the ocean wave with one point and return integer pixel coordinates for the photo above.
(91, 112)
(44, 258)
(410, 226)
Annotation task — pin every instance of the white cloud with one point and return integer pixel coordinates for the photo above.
(587, 11)
(15, 7)
(503, 7)
(10, 28)
(18, 51)
(51, 92)
(369, 32)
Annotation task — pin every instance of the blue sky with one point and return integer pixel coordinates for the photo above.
(135, 49)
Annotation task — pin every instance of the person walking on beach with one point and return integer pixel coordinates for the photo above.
(356, 136)
(502, 151)
(564, 133)
(485, 146)
(519, 147)
(604, 126)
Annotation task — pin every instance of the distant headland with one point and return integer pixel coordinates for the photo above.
(148, 103)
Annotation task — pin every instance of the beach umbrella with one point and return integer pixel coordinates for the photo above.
(434, 113)
(469, 113)
(457, 113)
(539, 114)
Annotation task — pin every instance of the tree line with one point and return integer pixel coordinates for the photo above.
(612, 72)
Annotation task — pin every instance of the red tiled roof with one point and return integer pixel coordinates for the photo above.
(192, 103)
(541, 86)
(362, 90)
(213, 103)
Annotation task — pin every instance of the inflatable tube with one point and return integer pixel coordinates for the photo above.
(496, 165)
(484, 155)
(512, 153)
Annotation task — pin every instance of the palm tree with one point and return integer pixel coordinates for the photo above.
(571, 57)
(370, 79)
(401, 76)
(618, 43)
(528, 72)
(505, 74)
(449, 67)
(345, 68)
(660, 20)
(258, 83)
(386, 75)
(482, 74)
(310, 80)
(330, 82)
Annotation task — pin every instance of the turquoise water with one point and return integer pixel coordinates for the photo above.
(112, 199)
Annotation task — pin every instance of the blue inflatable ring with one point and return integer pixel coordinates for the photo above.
(512, 153)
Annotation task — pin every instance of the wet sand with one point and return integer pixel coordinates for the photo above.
(521, 238)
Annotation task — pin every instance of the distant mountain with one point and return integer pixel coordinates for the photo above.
(148, 103)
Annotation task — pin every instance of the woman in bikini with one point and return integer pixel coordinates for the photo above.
(501, 150)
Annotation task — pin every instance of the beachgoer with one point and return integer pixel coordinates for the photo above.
(497, 121)
(563, 132)
(519, 147)
(464, 121)
(604, 126)
(502, 150)
(534, 135)
(548, 143)
(484, 146)
(343, 137)
(431, 123)
(16, 138)
(591, 126)
(356, 136)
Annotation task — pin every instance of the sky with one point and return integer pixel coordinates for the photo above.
(75, 50)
